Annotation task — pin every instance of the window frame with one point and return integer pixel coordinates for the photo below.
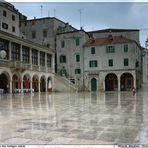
(126, 62)
(93, 50)
(110, 63)
(93, 63)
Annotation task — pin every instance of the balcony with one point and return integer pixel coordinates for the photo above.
(24, 66)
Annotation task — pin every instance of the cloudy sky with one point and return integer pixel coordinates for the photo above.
(94, 15)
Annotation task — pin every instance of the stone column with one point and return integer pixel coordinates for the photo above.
(39, 86)
(53, 63)
(31, 85)
(119, 85)
(46, 61)
(21, 57)
(46, 82)
(10, 85)
(10, 50)
(21, 83)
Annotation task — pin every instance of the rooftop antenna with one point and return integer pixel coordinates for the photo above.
(80, 11)
(54, 12)
(41, 10)
(146, 44)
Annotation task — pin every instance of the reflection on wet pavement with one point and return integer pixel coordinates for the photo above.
(76, 118)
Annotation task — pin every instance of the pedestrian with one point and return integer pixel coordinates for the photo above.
(134, 90)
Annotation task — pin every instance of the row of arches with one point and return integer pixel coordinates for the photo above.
(111, 82)
(17, 81)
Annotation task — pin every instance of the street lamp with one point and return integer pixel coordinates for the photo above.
(2, 51)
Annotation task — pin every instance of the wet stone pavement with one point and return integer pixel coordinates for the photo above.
(75, 118)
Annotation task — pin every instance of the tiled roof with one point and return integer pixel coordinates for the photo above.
(107, 40)
(112, 30)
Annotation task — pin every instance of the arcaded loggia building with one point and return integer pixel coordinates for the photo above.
(24, 65)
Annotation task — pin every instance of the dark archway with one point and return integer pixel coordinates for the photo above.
(4, 82)
(93, 84)
(126, 81)
(111, 82)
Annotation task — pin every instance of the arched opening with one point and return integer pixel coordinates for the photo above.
(43, 84)
(111, 82)
(16, 82)
(26, 81)
(93, 84)
(126, 82)
(35, 83)
(5, 82)
(49, 84)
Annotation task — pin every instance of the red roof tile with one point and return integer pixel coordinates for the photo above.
(107, 40)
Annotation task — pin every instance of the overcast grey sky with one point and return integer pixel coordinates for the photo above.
(94, 16)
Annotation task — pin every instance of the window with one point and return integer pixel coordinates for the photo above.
(62, 59)
(77, 40)
(110, 49)
(93, 63)
(4, 26)
(44, 33)
(125, 48)
(77, 58)
(42, 58)
(93, 50)
(125, 62)
(48, 45)
(62, 44)
(15, 51)
(25, 54)
(34, 57)
(33, 34)
(49, 58)
(110, 62)
(13, 17)
(4, 13)
(13, 29)
(78, 71)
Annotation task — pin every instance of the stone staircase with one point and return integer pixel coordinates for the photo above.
(62, 84)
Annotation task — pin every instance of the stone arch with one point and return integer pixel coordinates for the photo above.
(111, 82)
(26, 81)
(35, 82)
(16, 81)
(43, 83)
(127, 81)
(5, 81)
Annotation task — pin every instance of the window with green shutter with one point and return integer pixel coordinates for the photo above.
(110, 62)
(125, 62)
(62, 44)
(62, 59)
(77, 41)
(110, 49)
(125, 48)
(93, 50)
(93, 63)
(77, 58)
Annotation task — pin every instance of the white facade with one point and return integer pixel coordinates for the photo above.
(73, 65)
(117, 67)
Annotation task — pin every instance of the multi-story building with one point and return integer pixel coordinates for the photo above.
(70, 55)
(112, 63)
(27, 65)
(44, 30)
(10, 18)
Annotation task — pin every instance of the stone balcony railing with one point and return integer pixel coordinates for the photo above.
(24, 66)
